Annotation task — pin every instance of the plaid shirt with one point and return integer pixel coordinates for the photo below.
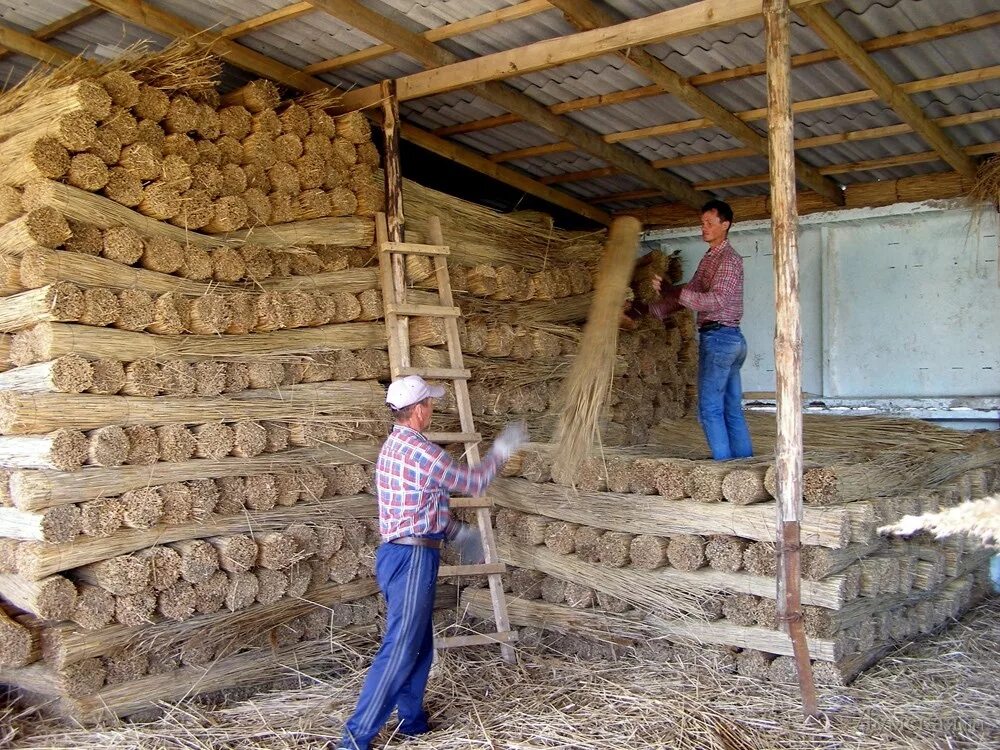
(414, 478)
(716, 289)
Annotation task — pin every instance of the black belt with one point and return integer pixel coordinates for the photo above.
(713, 325)
(417, 541)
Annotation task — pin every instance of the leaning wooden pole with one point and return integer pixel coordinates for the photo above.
(394, 214)
(787, 339)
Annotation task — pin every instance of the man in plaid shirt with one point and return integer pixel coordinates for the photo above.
(414, 478)
(715, 292)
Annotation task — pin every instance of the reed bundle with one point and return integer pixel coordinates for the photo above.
(50, 525)
(639, 514)
(48, 598)
(53, 340)
(39, 559)
(344, 231)
(56, 302)
(16, 643)
(35, 490)
(71, 374)
(62, 449)
(85, 96)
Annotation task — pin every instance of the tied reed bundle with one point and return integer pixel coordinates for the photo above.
(586, 387)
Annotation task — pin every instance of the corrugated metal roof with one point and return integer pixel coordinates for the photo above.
(318, 36)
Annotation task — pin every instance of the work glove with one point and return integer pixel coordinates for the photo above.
(512, 437)
(467, 543)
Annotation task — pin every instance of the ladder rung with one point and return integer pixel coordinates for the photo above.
(480, 569)
(415, 248)
(425, 311)
(470, 502)
(437, 373)
(476, 639)
(453, 437)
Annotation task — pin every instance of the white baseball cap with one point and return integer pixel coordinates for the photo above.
(411, 390)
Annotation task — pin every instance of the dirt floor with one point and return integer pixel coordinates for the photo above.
(936, 694)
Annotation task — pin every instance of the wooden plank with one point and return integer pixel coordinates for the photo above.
(729, 74)
(586, 15)
(476, 639)
(426, 311)
(165, 23)
(787, 341)
(438, 58)
(453, 437)
(415, 248)
(479, 569)
(521, 9)
(437, 373)
(671, 24)
(267, 19)
(830, 31)
(57, 27)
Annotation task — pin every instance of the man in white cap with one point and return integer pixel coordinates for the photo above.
(413, 478)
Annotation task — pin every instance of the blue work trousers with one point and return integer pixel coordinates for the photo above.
(721, 353)
(398, 675)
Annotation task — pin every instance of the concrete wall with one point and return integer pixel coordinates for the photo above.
(896, 302)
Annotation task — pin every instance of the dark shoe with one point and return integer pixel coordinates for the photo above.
(411, 734)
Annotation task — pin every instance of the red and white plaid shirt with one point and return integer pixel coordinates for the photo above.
(414, 478)
(716, 289)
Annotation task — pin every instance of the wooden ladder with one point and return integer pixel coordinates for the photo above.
(392, 267)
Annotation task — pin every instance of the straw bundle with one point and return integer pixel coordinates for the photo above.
(589, 378)
(70, 374)
(109, 377)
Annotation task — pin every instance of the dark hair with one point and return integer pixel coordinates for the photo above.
(723, 209)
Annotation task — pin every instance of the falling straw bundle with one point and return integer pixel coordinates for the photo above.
(587, 384)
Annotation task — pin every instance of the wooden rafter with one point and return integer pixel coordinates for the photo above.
(808, 105)
(267, 19)
(23, 44)
(938, 186)
(521, 9)
(236, 54)
(592, 14)
(433, 56)
(831, 32)
(670, 24)
(57, 27)
(732, 74)
(867, 165)
(852, 136)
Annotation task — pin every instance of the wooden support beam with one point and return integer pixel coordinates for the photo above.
(55, 28)
(236, 54)
(267, 19)
(693, 18)
(731, 74)
(936, 186)
(787, 341)
(808, 105)
(433, 56)
(831, 32)
(522, 9)
(14, 41)
(592, 14)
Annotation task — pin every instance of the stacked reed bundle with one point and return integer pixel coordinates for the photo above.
(638, 533)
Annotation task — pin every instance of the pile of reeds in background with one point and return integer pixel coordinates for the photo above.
(682, 550)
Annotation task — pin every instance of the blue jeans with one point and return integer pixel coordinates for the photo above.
(398, 675)
(721, 353)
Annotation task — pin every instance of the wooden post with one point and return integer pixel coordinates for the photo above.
(394, 209)
(787, 339)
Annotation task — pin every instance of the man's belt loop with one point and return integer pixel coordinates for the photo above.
(417, 541)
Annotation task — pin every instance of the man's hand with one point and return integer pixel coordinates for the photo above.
(509, 440)
(668, 303)
(657, 283)
(468, 544)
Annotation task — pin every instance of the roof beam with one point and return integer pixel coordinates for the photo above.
(591, 14)
(808, 105)
(522, 9)
(57, 27)
(503, 95)
(831, 32)
(731, 74)
(867, 165)
(670, 24)
(852, 136)
(236, 54)
(267, 19)
(14, 41)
